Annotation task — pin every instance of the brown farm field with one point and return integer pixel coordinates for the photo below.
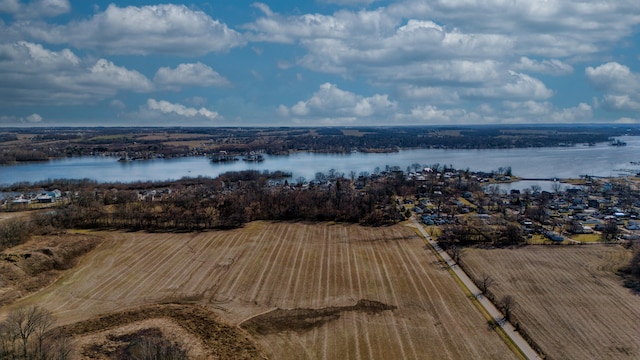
(569, 299)
(298, 290)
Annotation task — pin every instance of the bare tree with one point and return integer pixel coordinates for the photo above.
(456, 252)
(507, 304)
(485, 283)
(24, 332)
(610, 230)
(152, 348)
(14, 232)
(58, 347)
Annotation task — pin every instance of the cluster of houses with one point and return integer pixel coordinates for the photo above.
(40, 197)
(581, 209)
(443, 196)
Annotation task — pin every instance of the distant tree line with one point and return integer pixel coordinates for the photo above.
(231, 200)
(14, 156)
(62, 142)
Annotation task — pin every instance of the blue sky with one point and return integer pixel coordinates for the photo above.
(319, 62)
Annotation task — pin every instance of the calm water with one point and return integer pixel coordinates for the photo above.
(560, 162)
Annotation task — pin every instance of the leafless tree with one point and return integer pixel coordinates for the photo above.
(456, 252)
(485, 283)
(507, 304)
(610, 230)
(151, 348)
(14, 232)
(24, 332)
(58, 347)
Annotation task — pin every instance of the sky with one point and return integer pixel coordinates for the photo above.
(319, 62)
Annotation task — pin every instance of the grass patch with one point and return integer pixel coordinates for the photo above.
(587, 238)
(537, 239)
(466, 202)
(433, 230)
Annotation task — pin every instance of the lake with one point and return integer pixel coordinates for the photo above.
(559, 162)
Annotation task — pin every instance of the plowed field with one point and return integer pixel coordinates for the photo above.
(568, 298)
(317, 291)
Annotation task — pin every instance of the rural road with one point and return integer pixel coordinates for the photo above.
(489, 307)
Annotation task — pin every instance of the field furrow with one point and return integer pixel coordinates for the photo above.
(295, 264)
(569, 299)
(270, 261)
(104, 277)
(251, 255)
(399, 279)
(152, 270)
(215, 259)
(300, 285)
(313, 291)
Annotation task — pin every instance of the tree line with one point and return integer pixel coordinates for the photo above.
(229, 201)
(63, 142)
(15, 232)
(27, 334)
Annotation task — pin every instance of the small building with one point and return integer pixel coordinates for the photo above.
(554, 236)
(44, 198)
(632, 225)
(21, 201)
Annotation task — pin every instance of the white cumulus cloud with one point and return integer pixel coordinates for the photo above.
(546, 66)
(515, 86)
(578, 114)
(105, 72)
(432, 114)
(621, 102)
(166, 107)
(197, 74)
(31, 74)
(613, 77)
(620, 85)
(544, 112)
(155, 29)
(34, 118)
(331, 104)
(21, 120)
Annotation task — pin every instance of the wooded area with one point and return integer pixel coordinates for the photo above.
(230, 201)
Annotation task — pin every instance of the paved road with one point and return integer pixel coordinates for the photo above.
(515, 337)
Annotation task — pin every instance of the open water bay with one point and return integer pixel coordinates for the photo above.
(553, 162)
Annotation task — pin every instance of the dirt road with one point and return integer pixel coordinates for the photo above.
(489, 307)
